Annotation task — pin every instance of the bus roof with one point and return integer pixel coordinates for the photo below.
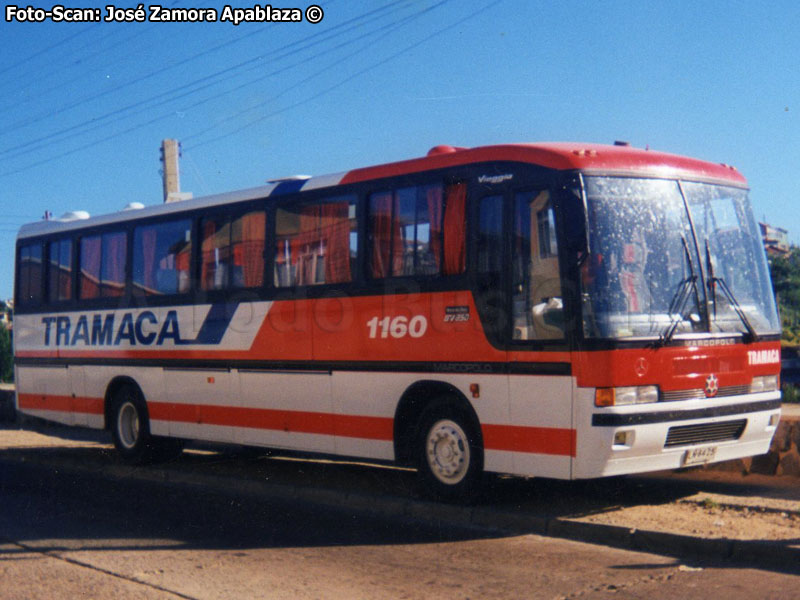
(562, 156)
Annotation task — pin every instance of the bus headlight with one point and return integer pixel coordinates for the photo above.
(622, 396)
(764, 383)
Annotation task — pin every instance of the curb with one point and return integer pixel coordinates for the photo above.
(776, 556)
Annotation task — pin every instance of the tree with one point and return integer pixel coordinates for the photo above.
(785, 271)
(6, 355)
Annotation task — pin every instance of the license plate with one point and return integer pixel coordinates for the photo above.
(699, 456)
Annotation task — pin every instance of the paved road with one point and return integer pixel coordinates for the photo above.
(69, 532)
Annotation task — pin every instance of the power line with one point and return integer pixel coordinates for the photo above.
(207, 81)
(390, 27)
(26, 62)
(56, 66)
(156, 119)
(342, 82)
(92, 97)
(221, 75)
(311, 98)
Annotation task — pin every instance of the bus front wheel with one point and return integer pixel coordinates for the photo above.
(449, 454)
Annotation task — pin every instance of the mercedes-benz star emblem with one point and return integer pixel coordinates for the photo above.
(641, 367)
(712, 386)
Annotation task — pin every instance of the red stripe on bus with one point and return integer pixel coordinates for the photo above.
(373, 428)
(511, 438)
(77, 404)
(534, 440)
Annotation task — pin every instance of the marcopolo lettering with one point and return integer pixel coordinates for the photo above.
(105, 330)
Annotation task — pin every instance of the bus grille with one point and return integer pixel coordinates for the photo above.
(699, 394)
(686, 435)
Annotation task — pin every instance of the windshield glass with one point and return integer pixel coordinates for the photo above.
(723, 219)
(642, 275)
(637, 267)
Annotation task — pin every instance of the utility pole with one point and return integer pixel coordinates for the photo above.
(170, 153)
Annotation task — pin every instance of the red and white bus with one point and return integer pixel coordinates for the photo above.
(557, 310)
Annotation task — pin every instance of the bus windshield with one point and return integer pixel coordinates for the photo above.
(734, 258)
(642, 276)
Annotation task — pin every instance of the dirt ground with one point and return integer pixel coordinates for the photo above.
(714, 515)
(772, 512)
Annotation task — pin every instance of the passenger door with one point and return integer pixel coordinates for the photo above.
(540, 382)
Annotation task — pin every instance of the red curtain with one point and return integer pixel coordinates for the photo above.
(251, 248)
(434, 197)
(381, 226)
(65, 270)
(60, 270)
(306, 246)
(319, 249)
(182, 261)
(455, 229)
(207, 247)
(387, 235)
(148, 258)
(90, 267)
(113, 268)
(335, 233)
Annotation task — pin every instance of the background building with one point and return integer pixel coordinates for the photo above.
(776, 239)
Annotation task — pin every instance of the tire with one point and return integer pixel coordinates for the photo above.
(130, 428)
(449, 454)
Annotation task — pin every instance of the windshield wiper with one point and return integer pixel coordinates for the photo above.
(680, 298)
(751, 335)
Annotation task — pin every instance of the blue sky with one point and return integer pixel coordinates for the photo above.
(85, 105)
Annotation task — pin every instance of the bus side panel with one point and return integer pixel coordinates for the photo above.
(190, 393)
(44, 391)
(82, 406)
(364, 406)
(284, 409)
(542, 432)
(411, 327)
(365, 419)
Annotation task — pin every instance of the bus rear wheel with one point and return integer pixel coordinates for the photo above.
(449, 454)
(130, 428)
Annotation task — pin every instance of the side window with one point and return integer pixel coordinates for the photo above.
(402, 225)
(29, 276)
(490, 235)
(161, 257)
(316, 243)
(215, 252)
(232, 251)
(546, 229)
(417, 230)
(60, 270)
(536, 302)
(102, 268)
(247, 247)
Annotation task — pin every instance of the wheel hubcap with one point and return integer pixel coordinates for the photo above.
(447, 451)
(128, 425)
